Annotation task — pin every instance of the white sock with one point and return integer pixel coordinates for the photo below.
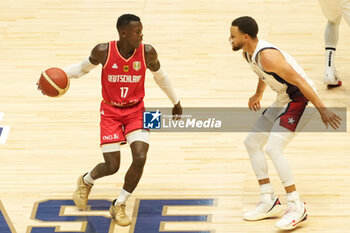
(294, 201)
(293, 196)
(266, 188)
(266, 191)
(88, 179)
(123, 197)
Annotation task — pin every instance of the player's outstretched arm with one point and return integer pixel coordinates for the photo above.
(273, 61)
(162, 79)
(98, 56)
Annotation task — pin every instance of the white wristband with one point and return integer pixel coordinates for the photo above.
(79, 69)
(163, 81)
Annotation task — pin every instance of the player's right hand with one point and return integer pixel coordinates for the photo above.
(329, 117)
(177, 111)
(39, 87)
(254, 102)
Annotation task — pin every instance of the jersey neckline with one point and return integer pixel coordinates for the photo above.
(126, 60)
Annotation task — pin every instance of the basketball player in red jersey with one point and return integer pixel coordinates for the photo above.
(123, 75)
(277, 125)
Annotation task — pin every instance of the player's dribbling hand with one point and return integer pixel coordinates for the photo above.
(254, 102)
(329, 117)
(177, 111)
(39, 87)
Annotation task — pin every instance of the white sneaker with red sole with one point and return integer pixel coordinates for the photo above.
(294, 216)
(265, 209)
(331, 78)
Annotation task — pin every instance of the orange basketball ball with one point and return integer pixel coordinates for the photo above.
(54, 82)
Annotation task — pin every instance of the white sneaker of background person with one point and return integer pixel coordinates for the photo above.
(331, 78)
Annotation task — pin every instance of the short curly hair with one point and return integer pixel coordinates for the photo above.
(126, 19)
(247, 25)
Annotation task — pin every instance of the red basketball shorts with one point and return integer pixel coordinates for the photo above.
(117, 122)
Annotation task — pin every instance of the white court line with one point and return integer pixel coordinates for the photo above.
(4, 130)
(4, 133)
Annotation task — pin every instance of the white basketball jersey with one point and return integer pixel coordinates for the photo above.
(285, 91)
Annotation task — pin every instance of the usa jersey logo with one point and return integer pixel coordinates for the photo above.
(136, 65)
(152, 119)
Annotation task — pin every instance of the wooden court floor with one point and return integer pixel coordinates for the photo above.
(54, 140)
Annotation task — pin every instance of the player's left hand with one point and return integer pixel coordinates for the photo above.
(329, 117)
(177, 111)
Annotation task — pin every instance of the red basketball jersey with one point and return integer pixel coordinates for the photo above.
(123, 79)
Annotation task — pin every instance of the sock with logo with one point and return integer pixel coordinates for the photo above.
(329, 55)
(123, 197)
(88, 179)
(331, 36)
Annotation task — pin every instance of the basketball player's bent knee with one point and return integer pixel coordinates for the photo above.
(139, 160)
(113, 165)
(112, 150)
(139, 141)
(272, 151)
(250, 143)
(254, 140)
(274, 147)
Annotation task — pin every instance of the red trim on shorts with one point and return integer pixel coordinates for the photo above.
(122, 106)
(121, 143)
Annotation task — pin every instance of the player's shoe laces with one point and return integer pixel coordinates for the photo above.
(294, 216)
(331, 78)
(265, 209)
(118, 213)
(81, 194)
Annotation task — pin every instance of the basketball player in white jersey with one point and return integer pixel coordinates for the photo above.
(276, 127)
(334, 11)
